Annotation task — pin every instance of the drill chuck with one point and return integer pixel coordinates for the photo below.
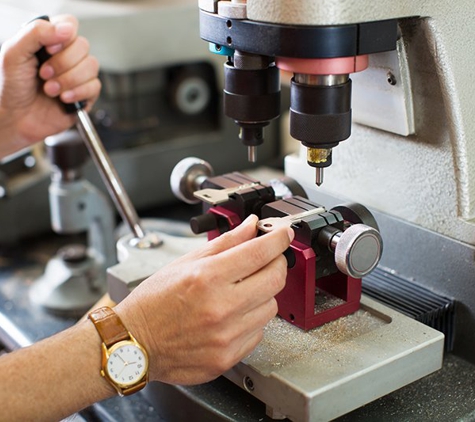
(320, 115)
(251, 99)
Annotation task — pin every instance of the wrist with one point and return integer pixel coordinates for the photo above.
(11, 140)
(135, 319)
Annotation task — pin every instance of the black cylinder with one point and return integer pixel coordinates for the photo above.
(320, 115)
(251, 99)
(203, 223)
(66, 150)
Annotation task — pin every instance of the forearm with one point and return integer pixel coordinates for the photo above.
(53, 378)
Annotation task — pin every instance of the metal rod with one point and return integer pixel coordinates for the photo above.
(108, 173)
(319, 176)
(252, 154)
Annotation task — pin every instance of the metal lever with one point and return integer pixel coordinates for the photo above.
(101, 159)
(219, 196)
(269, 224)
(108, 173)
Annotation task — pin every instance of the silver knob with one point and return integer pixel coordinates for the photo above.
(357, 250)
(187, 177)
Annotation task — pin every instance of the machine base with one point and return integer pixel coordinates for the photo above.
(327, 372)
(314, 376)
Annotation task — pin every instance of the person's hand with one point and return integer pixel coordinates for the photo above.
(203, 313)
(29, 104)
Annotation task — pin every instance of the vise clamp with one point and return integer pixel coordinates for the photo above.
(332, 249)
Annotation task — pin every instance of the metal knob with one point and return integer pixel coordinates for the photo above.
(357, 250)
(187, 177)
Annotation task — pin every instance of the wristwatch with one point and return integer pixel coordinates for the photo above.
(124, 360)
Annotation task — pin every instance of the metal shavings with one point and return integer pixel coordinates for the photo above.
(325, 301)
(284, 344)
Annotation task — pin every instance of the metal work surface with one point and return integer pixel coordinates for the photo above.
(304, 375)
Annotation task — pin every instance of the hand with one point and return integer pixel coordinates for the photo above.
(30, 112)
(203, 313)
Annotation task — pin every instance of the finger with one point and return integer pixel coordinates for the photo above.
(39, 33)
(259, 317)
(257, 289)
(88, 92)
(245, 231)
(84, 72)
(250, 256)
(62, 62)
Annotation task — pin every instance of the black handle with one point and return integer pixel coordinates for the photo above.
(42, 55)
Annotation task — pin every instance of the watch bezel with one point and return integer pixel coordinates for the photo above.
(107, 352)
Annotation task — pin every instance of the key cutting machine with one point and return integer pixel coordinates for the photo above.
(408, 160)
(407, 110)
(328, 342)
(261, 37)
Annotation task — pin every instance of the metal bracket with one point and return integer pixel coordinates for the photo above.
(385, 86)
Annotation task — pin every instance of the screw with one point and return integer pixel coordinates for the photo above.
(248, 384)
(30, 162)
(391, 79)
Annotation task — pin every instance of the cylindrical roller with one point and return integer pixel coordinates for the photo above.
(356, 213)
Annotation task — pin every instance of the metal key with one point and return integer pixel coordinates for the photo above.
(218, 196)
(269, 224)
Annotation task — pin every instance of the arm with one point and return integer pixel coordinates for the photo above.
(197, 317)
(28, 112)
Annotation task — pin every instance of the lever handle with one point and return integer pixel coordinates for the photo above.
(104, 165)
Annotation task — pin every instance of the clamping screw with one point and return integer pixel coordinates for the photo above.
(357, 250)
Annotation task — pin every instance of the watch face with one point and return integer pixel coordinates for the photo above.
(127, 364)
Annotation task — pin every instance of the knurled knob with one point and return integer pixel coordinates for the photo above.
(358, 250)
(187, 177)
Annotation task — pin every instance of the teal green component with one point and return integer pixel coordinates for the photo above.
(219, 49)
